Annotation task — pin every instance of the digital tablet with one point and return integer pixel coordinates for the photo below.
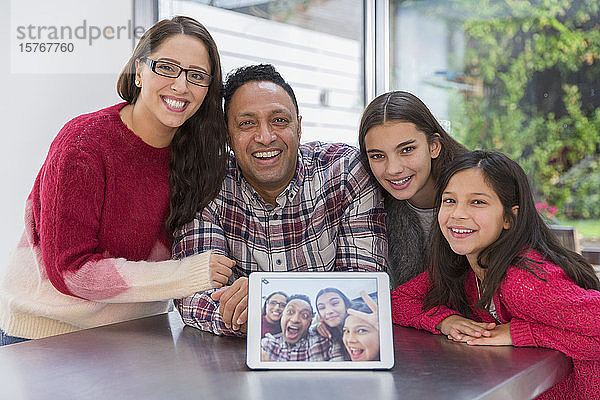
(319, 320)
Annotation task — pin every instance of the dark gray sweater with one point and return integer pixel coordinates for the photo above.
(406, 242)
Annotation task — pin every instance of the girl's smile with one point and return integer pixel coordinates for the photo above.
(400, 184)
(461, 232)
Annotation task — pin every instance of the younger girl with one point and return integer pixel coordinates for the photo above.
(361, 330)
(499, 277)
(404, 147)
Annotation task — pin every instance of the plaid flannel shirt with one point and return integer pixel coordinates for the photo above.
(312, 347)
(329, 218)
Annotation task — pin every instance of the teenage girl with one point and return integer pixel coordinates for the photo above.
(404, 147)
(332, 306)
(498, 276)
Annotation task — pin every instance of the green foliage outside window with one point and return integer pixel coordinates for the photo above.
(536, 65)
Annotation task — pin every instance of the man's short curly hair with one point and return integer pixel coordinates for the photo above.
(302, 297)
(254, 73)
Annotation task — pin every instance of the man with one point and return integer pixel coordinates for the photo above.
(282, 206)
(295, 342)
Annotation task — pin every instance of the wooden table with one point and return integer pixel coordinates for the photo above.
(156, 358)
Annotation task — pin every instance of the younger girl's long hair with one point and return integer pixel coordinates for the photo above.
(199, 153)
(527, 231)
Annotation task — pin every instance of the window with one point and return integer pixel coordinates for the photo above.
(315, 45)
(520, 77)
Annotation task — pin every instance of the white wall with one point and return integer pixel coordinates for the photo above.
(33, 107)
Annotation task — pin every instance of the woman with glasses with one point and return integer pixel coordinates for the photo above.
(271, 313)
(116, 182)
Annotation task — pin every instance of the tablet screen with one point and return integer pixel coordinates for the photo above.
(319, 320)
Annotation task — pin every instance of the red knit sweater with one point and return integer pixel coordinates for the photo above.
(95, 250)
(102, 193)
(555, 313)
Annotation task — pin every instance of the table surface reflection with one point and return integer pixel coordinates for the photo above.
(156, 358)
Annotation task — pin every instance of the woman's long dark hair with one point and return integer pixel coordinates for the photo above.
(400, 106)
(199, 154)
(527, 230)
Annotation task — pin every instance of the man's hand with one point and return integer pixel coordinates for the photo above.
(219, 269)
(233, 303)
(500, 336)
(322, 329)
(461, 329)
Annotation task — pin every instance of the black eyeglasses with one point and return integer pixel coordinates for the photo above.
(170, 70)
(276, 303)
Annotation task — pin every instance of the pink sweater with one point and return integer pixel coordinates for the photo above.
(555, 314)
(95, 245)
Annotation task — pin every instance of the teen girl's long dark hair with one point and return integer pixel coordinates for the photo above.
(198, 150)
(336, 332)
(400, 106)
(527, 231)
